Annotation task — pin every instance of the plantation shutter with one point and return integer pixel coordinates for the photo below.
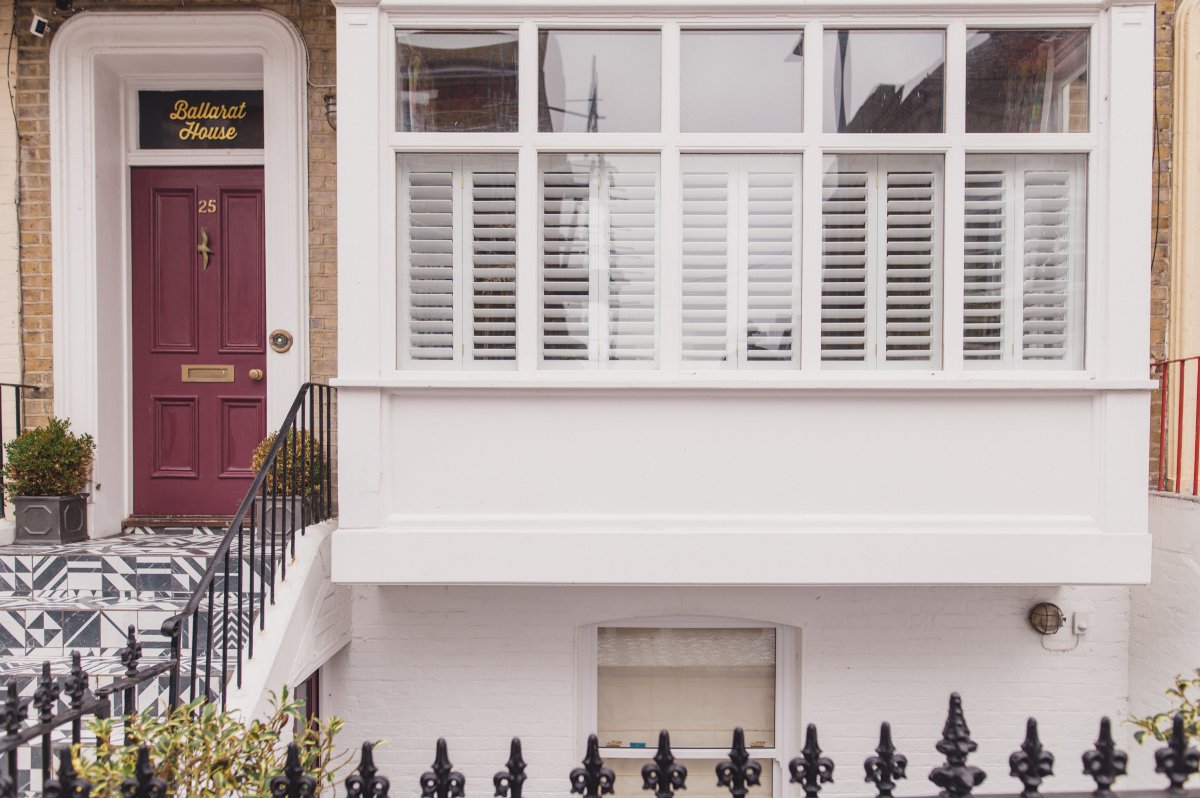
(1025, 261)
(599, 259)
(881, 260)
(458, 261)
(740, 259)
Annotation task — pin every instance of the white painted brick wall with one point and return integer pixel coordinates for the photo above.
(477, 665)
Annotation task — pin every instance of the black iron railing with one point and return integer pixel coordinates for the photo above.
(9, 430)
(292, 490)
(664, 776)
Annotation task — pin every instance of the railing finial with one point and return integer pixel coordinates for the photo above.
(1032, 763)
(510, 782)
(76, 684)
(443, 781)
(739, 772)
(593, 779)
(132, 653)
(13, 712)
(68, 784)
(1105, 762)
(810, 769)
(1176, 759)
(664, 775)
(45, 697)
(956, 778)
(143, 783)
(887, 766)
(365, 782)
(294, 782)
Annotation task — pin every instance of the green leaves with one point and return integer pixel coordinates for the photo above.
(48, 461)
(202, 752)
(1184, 695)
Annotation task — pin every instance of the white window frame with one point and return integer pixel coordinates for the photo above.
(788, 673)
(670, 143)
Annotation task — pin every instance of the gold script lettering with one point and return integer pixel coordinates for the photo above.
(194, 131)
(185, 111)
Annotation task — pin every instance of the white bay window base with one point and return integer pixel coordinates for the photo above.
(700, 556)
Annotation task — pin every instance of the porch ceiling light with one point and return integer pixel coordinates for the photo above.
(1046, 618)
(331, 110)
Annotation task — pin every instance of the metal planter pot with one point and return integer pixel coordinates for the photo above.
(50, 519)
(285, 514)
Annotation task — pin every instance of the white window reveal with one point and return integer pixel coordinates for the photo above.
(741, 260)
(1024, 261)
(599, 260)
(881, 261)
(458, 261)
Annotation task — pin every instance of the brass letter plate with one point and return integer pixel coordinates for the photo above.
(207, 373)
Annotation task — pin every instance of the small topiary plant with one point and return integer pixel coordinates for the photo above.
(48, 461)
(1185, 701)
(299, 466)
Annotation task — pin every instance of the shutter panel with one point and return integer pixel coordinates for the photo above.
(493, 266)
(772, 261)
(429, 267)
(845, 247)
(708, 261)
(566, 260)
(630, 192)
(912, 265)
(1050, 243)
(985, 303)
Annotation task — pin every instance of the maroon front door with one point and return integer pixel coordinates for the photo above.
(199, 337)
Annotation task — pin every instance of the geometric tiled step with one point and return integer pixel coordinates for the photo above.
(92, 625)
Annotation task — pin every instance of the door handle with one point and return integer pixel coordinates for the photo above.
(202, 247)
(255, 374)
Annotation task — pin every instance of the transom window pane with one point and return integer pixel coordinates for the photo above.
(884, 81)
(742, 81)
(599, 81)
(696, 683)
(1027, 81)
(457, 81)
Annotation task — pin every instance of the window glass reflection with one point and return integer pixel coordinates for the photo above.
(884, 81)
(1027, 81)
(598, 81)
(742, 81)
(456, 81)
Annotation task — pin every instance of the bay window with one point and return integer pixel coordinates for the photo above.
(682, 199)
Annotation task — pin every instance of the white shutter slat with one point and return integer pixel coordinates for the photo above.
(430, 264)
(911, 265)
(771, 261)
(631, 198)
(706, 324)
(565, 243)
(493, 267)
(1046, 275)
(845, 242)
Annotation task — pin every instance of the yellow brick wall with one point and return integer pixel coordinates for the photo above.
(1160, 288)
(315, 21)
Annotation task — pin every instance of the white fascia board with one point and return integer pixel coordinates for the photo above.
(737, 558)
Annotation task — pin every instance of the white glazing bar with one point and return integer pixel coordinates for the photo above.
(810, 233)
(953, 193)
(670, 253)
(528, 272)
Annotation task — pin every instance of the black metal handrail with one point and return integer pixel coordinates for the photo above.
(18, 423)
(295, 479)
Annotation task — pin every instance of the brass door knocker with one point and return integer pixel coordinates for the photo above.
(203, 246)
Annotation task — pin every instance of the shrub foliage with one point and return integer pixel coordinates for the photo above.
(1184, 696)
(299, 465)
(48, 461)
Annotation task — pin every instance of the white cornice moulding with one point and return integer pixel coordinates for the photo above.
(623, 8)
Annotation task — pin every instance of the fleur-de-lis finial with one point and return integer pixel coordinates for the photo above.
(364, 782)
(76, 684)
(739, 772)
(956, 778)
(13, 712)
(443, 781)
(593, 779)
(132, 653)
(510, 782)
(1032, 763)
(294, 782)
(68, 784)
(810, 769)
(664, 775)
(45, 697)
(1177, 760)
(143, 784)
(887, 766)
(1105, 762)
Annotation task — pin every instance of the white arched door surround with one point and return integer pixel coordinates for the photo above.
(95, 61)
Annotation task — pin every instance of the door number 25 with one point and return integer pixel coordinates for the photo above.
(208, 206)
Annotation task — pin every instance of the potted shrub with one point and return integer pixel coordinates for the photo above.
(293, 483)
(45, 472)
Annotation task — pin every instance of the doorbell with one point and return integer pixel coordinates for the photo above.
(39, 26)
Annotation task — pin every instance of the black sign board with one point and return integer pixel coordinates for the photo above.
(200, 120)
